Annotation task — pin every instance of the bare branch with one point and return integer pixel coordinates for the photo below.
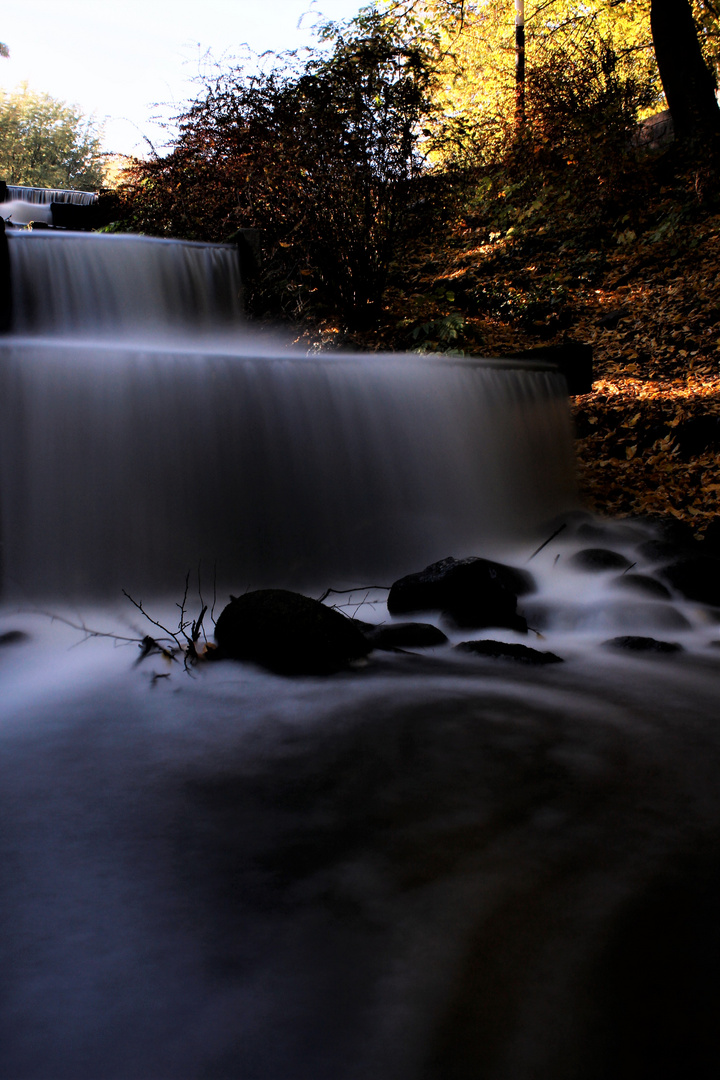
(87, 630)
(141, 609)
(358, 588)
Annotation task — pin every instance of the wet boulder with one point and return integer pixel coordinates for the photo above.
(597, 559)
(643, 585)
(470, 592)
(672, 539)
(638, 644)
(502, 650)
(696, 577)
(288, 633)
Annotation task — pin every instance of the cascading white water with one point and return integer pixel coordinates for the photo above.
(142, 432)
(435, 867)
(24, 205)
(117, 289)
(45, 196)
(20, 212)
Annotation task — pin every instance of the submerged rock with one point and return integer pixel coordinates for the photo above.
(598, 559)
(409, 635)
(470, 592)
(635, 643)
(474, 614)
(502, 650)
(642, 584)
(288, 633)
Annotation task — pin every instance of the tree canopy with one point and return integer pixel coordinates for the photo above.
(320, 154)
(663, 45)
(344, 156)
(47, 143)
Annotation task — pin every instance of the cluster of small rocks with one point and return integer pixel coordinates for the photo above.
(292, 634)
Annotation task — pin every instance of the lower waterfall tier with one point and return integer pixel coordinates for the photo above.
(126, 467)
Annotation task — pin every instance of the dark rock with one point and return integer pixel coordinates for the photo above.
(598, 559)
(655, 132)
(288, 633)
(655, 551)
(469, 592)
(696, 577)
(501, 650)
(78, 218)
(642, 584)
(441, 584)
(611, 320)
(366, 627)
(474, 615)
(711, 538)
(671, 529)
(410, 635)
(13, 637)
(573, 359)
(697, 434)
(633, 643)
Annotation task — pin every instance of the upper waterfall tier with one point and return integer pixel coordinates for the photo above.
(44, 196)
(124, 287)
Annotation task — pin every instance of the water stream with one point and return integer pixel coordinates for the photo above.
(437, 867)
(144, 430)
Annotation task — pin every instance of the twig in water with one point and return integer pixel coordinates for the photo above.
(141, 609)
(181, 621)
(358, 588)
(545, 544)
(212, 609)
(88, 631)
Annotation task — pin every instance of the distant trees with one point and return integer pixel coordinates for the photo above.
(47, 143)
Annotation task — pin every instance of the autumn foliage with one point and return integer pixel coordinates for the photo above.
(326, 157)
(403, 206)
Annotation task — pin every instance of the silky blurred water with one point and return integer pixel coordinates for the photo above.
(433, 867)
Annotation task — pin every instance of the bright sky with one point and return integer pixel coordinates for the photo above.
(127, 61)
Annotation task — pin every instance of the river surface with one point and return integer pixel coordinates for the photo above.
(426, 869)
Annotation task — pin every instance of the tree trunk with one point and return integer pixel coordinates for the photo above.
(688, 84)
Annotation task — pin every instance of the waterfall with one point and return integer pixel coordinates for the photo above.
(121, 288)
(43, 196)
(435, 866)
(144, 430)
